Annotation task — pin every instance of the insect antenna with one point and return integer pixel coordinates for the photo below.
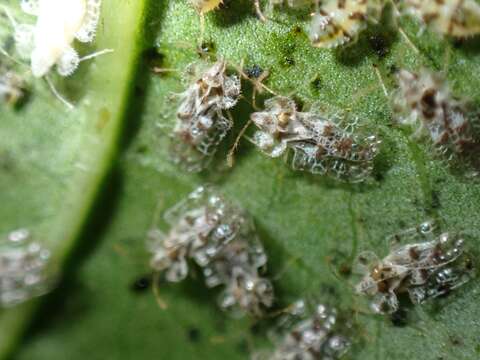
(202, 30)
(156, 291)
(159, 70)
(402, 32)
(156, 275)
(231, 152)
(257, 83)
(57, 94)
(259, 12)
(408, 41)
(96, 54)
(382, 84)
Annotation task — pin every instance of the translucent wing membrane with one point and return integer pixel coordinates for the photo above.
(424, 269)
(423, 232)
(311, 333)
(200, 122)
(24, 272)
(319, 145)
(425, 101)
(220, 238)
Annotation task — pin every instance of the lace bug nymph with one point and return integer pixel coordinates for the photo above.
(457, 18)
(221, 239)
(425, 100)
(424, 270)
(23, 269)
(319, 145)
(200, 121)
(306, 333)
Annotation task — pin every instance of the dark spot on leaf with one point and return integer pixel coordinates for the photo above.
(287, 61)
(206, 49)
(316, 84)
(194, 335)
(379, 44)
(435, 200)
(456, 341)
(254, 72)
(297, 30)
(458, 43)
(242, 346)
(141, 149)
(393, 69)
(153, 57)
(287, 48)
(345, 270)
(7, 162)
(299, 102)
(399, 318)
(255, 329)
(328, 289)
(139, 92)
(141, 284)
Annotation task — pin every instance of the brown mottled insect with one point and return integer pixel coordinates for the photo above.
(238, 268)
(221, 239)
(425, 100)
(200, 121)
(424, 269)
(309, 334)
(201, 225)
(319, 145)
(338, 22)
(457, 18)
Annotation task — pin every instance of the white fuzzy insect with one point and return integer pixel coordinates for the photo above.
(49, 42)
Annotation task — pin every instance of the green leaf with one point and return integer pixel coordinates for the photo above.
(312, 227)
(55, 160)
